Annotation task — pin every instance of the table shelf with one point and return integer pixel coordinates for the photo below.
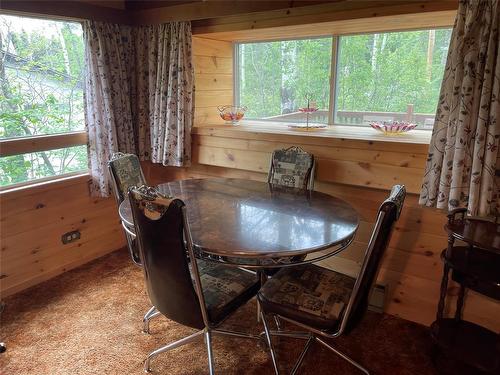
(475, 269)
(473, 344)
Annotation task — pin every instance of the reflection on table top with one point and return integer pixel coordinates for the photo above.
(481, 233)
(234, 217)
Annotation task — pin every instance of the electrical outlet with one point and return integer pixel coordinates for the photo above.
(377, 298)
(70, 237)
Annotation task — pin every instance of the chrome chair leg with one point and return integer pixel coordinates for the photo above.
(152, 312)
(343, 356)
(242, 335)
(278, 322)
(263, 279)
(269, 342)
(173, 345)
(209, 352)
(302, 355)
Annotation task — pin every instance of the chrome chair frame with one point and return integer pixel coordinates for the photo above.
(312, 334)
(129, 234)
(209, 328)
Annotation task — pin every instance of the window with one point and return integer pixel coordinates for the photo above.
(275, 79)
(378, 77)
(41, 99)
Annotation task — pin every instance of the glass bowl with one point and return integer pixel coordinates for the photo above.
(231, 113)
(393, 127)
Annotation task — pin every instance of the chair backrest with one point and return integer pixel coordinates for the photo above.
(160, 224)
(125, 171)
(388, 214)
(292, 167)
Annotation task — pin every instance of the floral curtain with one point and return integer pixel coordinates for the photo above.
(165, 91)
(463, 162)
(108, 107)
(139, 95)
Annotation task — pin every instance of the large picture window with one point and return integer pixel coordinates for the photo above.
(277, 78)
(392, 76)
(41, 99)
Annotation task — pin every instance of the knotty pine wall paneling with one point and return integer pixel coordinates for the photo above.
(213, 64)
(32, 221)
(358, 171)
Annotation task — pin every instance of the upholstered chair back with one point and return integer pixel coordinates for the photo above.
(125, 171)
(292, 167)
(159, 226)
(388, 214)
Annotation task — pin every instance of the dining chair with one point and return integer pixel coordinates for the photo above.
(292, 167)
(196, 293)
(125, 171)
(324, 302)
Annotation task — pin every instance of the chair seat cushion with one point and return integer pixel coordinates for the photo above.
(308, 294)
(225, 288)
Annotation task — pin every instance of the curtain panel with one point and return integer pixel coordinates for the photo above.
(165, 91)
(108, 107)
(139, 95)
(463, 161)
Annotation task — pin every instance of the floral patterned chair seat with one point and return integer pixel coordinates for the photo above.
(292, 167)
(125, 169)
(311, 294)
(225, 288)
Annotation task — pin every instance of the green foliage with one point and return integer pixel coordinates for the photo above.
(41, 81)
(386, 72)
(276, 77)
(375, 73)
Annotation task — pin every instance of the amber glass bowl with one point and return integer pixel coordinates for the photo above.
(231, 113)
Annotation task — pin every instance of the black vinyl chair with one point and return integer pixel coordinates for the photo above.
(324, 302)
(195, 293)
(125, 171)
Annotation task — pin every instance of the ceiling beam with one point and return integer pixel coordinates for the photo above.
(209, 9)
(72, 10)
(318, 14)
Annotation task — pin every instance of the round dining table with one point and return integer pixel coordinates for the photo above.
(259, 225)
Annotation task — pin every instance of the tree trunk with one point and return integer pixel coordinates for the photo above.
(430, 51)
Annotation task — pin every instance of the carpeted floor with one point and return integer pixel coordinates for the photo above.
(88, 321)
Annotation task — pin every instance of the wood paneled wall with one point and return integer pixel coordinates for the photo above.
(361, 172)
(213, 64)
(32, 222)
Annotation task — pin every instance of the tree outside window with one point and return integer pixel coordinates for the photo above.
(41, 92)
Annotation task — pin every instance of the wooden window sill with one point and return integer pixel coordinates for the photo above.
(43, 184)
(421, 137)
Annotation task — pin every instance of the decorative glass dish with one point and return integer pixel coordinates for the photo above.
(393, 127)
(231, 113)
(307, 127)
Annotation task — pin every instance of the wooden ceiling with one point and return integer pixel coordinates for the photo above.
(152, 4)
(229, 17)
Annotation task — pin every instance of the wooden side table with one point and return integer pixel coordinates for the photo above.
(475, 266)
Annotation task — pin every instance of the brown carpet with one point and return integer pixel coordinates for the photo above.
(88, 321)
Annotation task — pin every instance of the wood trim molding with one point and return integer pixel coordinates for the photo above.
(389, 23)
(17, 146)
(213, 9)
(70, 10)
(354, 20)
(332, 134)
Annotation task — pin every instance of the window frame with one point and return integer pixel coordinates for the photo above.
(333, 65)
(42, 142)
